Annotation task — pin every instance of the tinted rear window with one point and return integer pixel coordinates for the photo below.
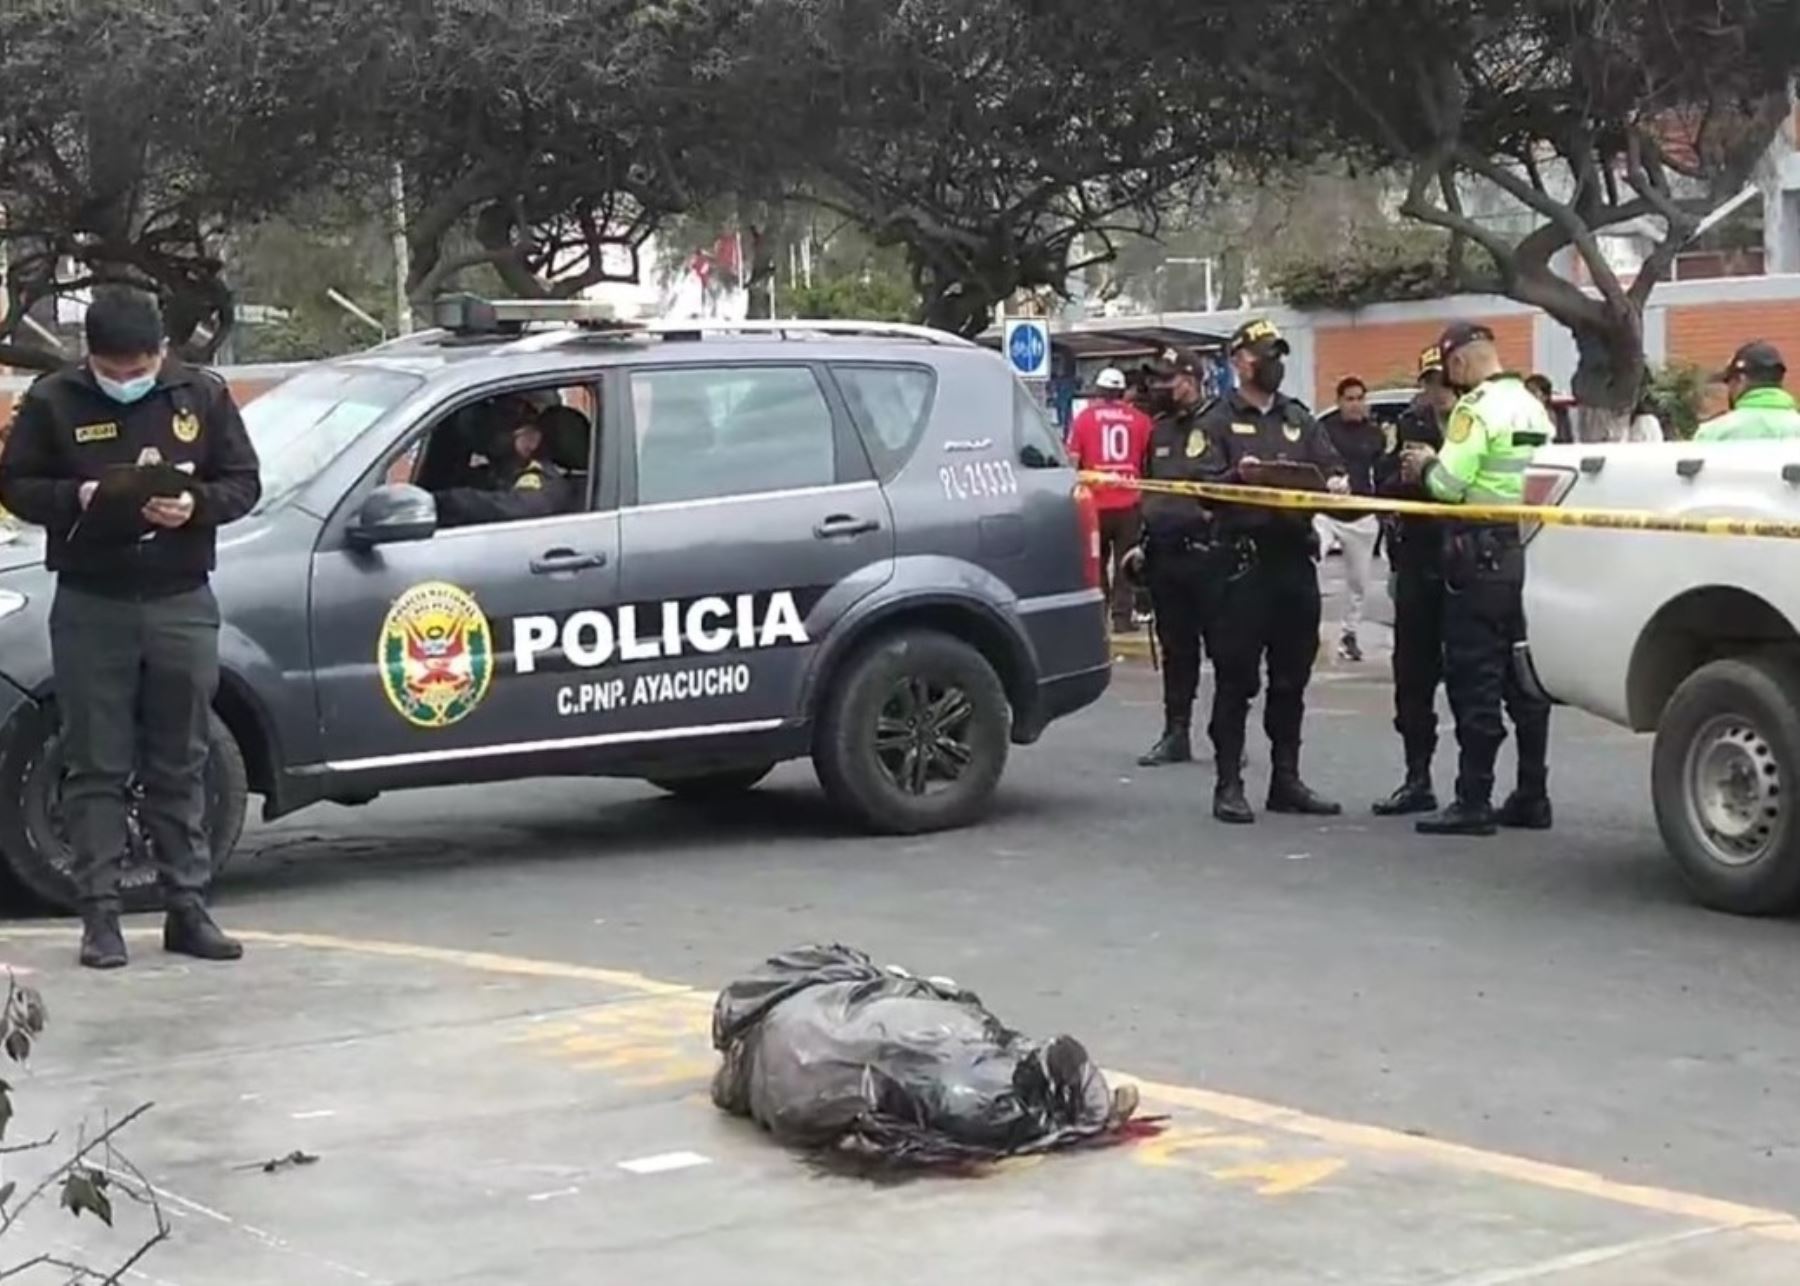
(891, 406)
(1037, 443)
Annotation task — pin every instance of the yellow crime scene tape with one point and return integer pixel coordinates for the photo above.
(1548, 515)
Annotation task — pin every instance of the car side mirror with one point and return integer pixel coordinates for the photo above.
(394, 513)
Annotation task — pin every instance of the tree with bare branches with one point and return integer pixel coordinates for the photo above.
(138, 133)
(1003, 146)
(1587, 117)
(549, 141)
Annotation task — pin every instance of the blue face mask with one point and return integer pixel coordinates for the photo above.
(126, 392)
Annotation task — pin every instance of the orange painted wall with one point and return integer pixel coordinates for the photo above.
(1387, 353)
(1708, 335)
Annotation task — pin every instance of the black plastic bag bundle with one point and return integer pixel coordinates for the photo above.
(824, 1048)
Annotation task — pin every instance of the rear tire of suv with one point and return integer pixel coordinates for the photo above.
(34, 844)
(1725, 780)
(714, 785)
(914, 735)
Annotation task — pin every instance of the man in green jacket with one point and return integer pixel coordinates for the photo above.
(1760, 407)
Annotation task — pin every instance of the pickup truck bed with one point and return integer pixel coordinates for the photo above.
(1691, 637)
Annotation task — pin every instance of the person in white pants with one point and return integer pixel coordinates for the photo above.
(1361, 442)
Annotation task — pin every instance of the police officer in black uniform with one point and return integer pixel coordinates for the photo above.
(1268, 604)
(131, 462)
(517, 481)
(1177, 545)
(1416, 554)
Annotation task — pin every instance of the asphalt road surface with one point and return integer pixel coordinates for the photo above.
(1552, 1002)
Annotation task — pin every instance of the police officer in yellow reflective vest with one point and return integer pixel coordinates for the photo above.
(1488, 442)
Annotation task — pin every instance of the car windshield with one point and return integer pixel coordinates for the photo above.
(299, 426)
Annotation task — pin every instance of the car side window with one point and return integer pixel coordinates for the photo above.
(709, 432)
(891, 406)
(471, 450)
(1039, 446)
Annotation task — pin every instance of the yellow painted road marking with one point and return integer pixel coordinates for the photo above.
(1170, 1147)
(1778, 1225)
(1279, 1178)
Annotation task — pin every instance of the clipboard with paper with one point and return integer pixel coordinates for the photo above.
(115, 510)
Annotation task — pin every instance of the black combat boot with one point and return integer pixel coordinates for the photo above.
(189, 931)
(1288, 794)
(1175, 747)
(1229, 804)
(1461, 818)
(1415, 794)
(1526, 812)
(102, 945)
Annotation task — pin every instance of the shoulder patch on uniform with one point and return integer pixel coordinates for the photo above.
(531, 480)
(1462, 423)
(106, 432)
(1196, 443)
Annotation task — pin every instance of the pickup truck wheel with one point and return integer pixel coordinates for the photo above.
(34, 842)
(914, 735)
(1725, 779)
(714, 785)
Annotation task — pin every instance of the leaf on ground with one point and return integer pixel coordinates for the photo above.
(6, 1191)
(18, 1045)
(294, 1158)
(86, 1190)
(34, 1013)
(6, 1108)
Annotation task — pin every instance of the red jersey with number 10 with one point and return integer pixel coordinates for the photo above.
(1111, 437)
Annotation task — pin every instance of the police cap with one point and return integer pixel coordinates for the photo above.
(1758, 360)
(1171, 362)
(1460, 335)
(1259, 334)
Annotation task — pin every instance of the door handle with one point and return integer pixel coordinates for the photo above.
(839, 526)
(566, 560)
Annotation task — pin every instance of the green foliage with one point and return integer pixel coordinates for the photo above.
(868, 297)
(1677, 393)
(1378, 266)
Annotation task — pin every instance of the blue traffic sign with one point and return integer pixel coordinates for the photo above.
(1028, 348)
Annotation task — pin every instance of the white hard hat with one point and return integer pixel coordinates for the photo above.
(1112, 379)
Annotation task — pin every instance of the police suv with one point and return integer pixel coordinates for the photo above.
(856, 542)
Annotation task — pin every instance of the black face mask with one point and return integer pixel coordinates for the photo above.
(1268, 373)
(1160, 400)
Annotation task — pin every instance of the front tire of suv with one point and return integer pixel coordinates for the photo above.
(914, 735)
(1725, 773)
(34, 842)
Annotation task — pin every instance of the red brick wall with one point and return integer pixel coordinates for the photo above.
(1709, 334)
(1387, 353)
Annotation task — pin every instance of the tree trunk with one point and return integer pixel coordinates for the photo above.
(950, 299)
(1609, 377)
(1231, 279)
(966, 312)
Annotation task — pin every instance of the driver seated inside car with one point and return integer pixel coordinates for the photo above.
(515, 477)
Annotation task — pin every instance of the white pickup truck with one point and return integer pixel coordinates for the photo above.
(1693, 637)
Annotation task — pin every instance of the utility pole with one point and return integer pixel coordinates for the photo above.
(403, 323)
